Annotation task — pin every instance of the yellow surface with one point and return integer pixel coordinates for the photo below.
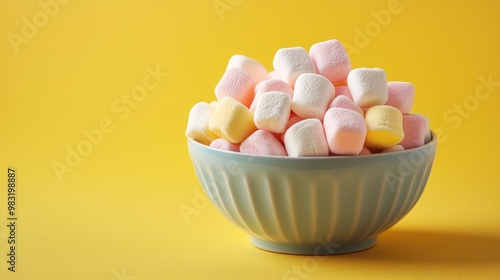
(114, 82)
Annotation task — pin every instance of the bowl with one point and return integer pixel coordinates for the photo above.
(313, 205)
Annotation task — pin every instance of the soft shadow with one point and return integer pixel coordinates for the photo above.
(403, 245)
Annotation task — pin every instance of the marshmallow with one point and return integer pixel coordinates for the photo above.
(270, 85)
(415, 128)
(365, 151)
(232, 121)
(384, 127)
(197, 127)
(272, 75)
(331, 60)
(400, 96)
(272, 111)
(252, 66)
(312, 95)
(237, 84)
(262, 142)
(368, 86)
(344, 102)
(306, 138)
(289, 63)
(345, 131)
(223, 144)
(342, 90)
(397, 148)
(273, 85)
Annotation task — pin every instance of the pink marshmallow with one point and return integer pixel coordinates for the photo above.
(270, 85)
(415, 130)
(345, 131)
(262, 142)
(365, 151)
(273, 85)
(251, 66)
(343, 90)
(237, 84)
(400, 96)
(272, 75)
(223, 144)
(331, 60)
(344, 102)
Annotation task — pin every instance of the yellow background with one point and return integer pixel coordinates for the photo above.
(116, 215)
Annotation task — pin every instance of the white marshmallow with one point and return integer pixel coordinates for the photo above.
(252, 66)
(272, 111)
(306, 138)
(312, 95)
(197, 126)
(289, 63)
(368, 86)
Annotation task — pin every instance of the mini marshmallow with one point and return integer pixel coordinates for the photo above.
(368, 86)
(415, 128)
(312, 95)
(272, 75)
(397, 148)
(331, 60)
(400, 96)
(345, 131)
(344, 102)
(237, 84)
(223, 144)
(272, 111)
(262, 142)
(343, 90)
(252, 66)
(306, 138)
(289, 63)
(232, 121)
(384, 127)
(270, 85)
(198, 120)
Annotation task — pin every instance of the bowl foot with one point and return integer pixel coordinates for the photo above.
(320, 248)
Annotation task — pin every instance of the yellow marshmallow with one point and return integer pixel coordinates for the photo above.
(232, 120)
(384, 127)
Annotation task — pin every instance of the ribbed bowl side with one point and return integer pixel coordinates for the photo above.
(299, 201)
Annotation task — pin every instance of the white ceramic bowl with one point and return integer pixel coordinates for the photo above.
(313, 205)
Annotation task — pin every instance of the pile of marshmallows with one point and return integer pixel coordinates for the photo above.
(312, 104)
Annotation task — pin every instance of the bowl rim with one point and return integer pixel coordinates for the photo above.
(202, 146)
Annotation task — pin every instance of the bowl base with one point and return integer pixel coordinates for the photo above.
(321, 248)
